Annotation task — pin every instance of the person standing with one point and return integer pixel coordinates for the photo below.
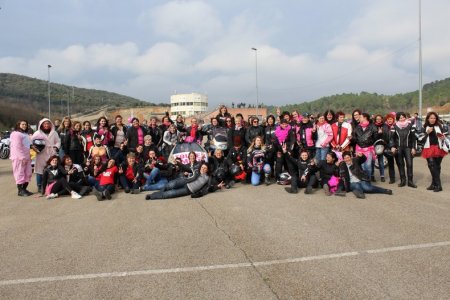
(50, 142)
(403, 139)
(20, 157)
(433, 149)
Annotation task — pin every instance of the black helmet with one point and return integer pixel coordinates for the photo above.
(220, 174)
(39, 144)
(235, 170)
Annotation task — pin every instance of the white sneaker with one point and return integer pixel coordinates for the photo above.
(75, 195)
(52, 196)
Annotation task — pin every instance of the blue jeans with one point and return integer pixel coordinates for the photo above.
(159, 184)
(366, 187)
(256, 176)
(152, 177)
(367, 165)
(175, 188)
(380, 159)
(110, 187)
(92, 181)
(321, 153)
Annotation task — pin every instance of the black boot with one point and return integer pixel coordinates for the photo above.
(411, 182)
(391, 180)
(40, 189)
(291, 190)
(402, 182)
(431, 187)
(25, 185)
(21, 191)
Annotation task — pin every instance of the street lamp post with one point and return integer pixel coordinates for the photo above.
(256, 76)
(420, 59)
(48, 86)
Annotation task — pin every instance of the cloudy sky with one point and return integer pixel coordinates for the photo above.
(150, 49)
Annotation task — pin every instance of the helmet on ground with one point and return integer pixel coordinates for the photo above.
(285, 179)
(235, 170)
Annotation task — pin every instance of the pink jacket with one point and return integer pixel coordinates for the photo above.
(324, 135)
(51, 140)
(20, 146)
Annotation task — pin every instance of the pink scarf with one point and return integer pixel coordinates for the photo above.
(281, 133)
(403, 124)
(364, 124)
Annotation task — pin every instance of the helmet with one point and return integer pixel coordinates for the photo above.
(39, 144)
(285, 179)
(379, 147)
(235, 170)
(220, 174)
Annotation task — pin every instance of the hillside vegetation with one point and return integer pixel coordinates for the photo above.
(434, 94)
(26, 97)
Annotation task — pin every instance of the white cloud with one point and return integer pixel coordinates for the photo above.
(179, 19)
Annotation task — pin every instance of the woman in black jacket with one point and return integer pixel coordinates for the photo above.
(54, 180)
(403, 139)
(135, 135)
(364, 136)
(76, 144)
(302, 177)
(327, 168)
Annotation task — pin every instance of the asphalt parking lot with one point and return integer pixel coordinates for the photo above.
(243, 243)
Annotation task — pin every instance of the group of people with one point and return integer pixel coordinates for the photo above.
(312, 152)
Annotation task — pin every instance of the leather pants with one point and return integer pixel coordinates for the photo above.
(404, 158)
(434, 165)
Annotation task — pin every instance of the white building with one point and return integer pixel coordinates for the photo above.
(188, 104)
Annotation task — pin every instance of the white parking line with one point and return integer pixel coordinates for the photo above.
(227, 266)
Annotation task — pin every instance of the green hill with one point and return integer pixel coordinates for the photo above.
(434, 94)
(23, 97)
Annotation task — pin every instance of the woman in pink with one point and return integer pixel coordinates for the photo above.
(20, 156)
(324, 137)
(49, 138)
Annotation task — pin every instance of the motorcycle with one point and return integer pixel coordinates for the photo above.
(4, 147)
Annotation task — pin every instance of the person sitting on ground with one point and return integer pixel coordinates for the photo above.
(54, 181)
(327, 169)
(185, 186)
(92, 170)
(237, 156)
(354, 179)
(76, 178)
(130, 175)
(152, 171)
(107, 180)
(219, 169)
(302, 177)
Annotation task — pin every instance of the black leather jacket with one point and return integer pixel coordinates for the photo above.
(403, 137)
(252, 132)
(356, 169)
(365, 138)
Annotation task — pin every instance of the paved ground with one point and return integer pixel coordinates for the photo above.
(244, 243)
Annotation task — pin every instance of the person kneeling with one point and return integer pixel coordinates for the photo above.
(355, 179)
